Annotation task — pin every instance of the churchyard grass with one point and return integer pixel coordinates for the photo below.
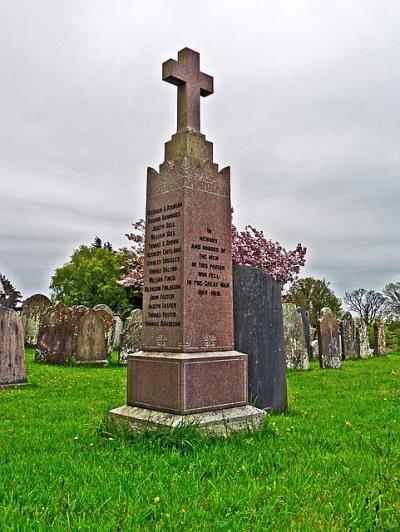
(331, 463)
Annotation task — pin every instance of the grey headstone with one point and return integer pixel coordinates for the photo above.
(12, 355)
(379, 337)
(348, 337)
(118, 331)
(258, 326)
(31, 314)
(109, 325)
(362, 340)
(328, 340)
(315, 348)
(308, 330)
(296, 353)
(56, 338)
(91, 339)
(131, 337)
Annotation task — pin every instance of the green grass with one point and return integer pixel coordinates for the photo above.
(332, 463)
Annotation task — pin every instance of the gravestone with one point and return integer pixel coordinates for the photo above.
(107, 316)
(119, 324)
(56, 336)
(31, 314)
(12, 355)
(258, 324)
(328, 340)
(188, 366)
(131, 338)
(91, 347)
(362, 340)
(348, 337)
(295, 348)
(308, 330)
(379, 337)
(77, 312)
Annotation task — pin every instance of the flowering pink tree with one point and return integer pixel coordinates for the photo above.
(249, 247)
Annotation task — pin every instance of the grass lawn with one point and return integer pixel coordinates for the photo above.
(332, 463)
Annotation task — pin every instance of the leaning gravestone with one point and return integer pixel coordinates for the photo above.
(258, 326)
(109, 325)
(119, 324)
(362, 340)
(188, 369)
(349, 337)
(296, 353)
(308, 330)
(32, 311)
(12, 355)
(56, 336)
(328, 340)
(91, 340)
(379, 337)
(131, 338)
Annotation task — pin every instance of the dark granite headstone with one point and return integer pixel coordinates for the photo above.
(56, 338)
(379, 337)
(258, 326)
(91, 340)
(12, 355)
(328, 340)
(349, 337)
(32, 311)
(308, 330)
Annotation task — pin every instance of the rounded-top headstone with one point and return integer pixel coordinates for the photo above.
(91, 340)
(12, 355)
(31, 314)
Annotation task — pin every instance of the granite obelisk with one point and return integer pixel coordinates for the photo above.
(188, 364)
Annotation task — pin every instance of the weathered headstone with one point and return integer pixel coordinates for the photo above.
(56, 338)
(348, 337)
(328, 340)
(308, 330)
(131, 338)
(32, 311)
(296, 353)
(119, 324)
(91, 347)
(12, 355)
(109, 325)
(362, 340)
(379, 337)
(258, 324)
(188, 366)
(315, 348)
(77, 313)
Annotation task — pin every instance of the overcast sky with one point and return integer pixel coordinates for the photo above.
(305, 111)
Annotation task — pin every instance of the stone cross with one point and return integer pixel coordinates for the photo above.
(191, 83)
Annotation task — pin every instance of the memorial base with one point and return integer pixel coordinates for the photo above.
(220, 422)
(187, 383)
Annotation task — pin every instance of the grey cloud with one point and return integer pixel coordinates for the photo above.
(305, 112)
